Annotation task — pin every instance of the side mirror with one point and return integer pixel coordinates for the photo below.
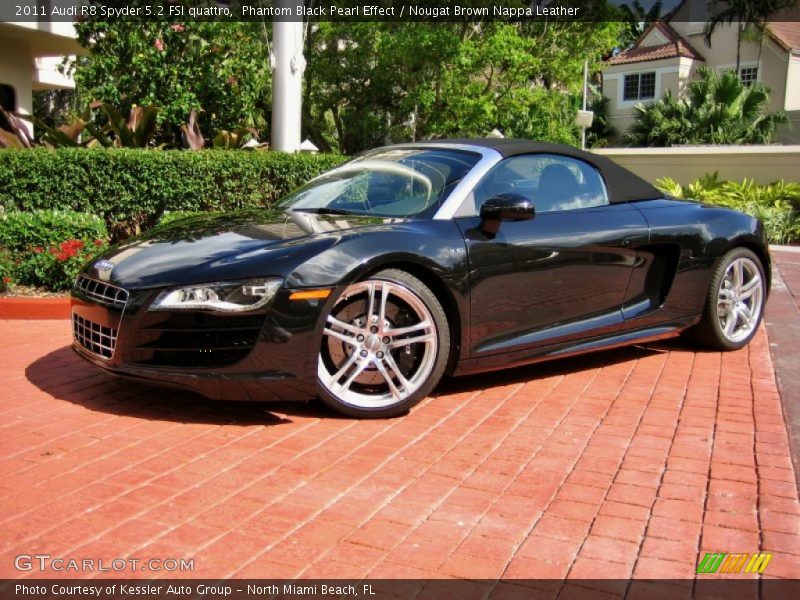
(505, 207)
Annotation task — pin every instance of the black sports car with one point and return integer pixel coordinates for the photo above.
(369, 283)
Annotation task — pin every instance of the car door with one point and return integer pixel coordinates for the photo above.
(556, 278)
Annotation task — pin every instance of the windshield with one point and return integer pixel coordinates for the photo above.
(404, 182)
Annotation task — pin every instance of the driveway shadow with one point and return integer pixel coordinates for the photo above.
(64, 376)
(561, 366)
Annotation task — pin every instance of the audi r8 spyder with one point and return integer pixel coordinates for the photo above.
(368, 284)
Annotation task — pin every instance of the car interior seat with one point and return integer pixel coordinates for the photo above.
(558, 188)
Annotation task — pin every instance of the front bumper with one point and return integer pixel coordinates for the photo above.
(265, 355)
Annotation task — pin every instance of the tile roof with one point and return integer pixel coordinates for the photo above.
(786, 31)
(677, 46)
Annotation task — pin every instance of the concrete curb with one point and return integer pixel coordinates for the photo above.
(35, 308)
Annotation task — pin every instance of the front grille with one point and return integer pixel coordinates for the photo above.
(102, 292)
(198, 358)
(94, 337)
(196, 339)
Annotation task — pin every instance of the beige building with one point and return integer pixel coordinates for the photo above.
(29, 58)
(668, 54)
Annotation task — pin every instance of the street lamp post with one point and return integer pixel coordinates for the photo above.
(584, 117)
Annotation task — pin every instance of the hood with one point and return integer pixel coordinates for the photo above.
(236, 245)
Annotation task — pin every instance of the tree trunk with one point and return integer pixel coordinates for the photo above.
(339, 129)
(761, 33)
(310, 124)
(738, 47)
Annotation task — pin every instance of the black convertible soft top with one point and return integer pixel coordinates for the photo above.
(623, 186)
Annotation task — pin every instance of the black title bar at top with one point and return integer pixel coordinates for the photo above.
(305, 10)
(339, 10)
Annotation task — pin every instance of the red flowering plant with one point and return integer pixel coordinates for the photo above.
(6, 268)
(46, 249)
(55, 267)
(66, 250)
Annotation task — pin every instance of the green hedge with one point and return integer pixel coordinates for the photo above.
(131, 188)
(44, 228)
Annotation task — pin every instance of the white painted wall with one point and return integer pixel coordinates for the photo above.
(47, 76)
(29, 54)
(764, 164)
(792, 93)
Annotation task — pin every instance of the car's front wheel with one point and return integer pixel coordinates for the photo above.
(735, 301)
(385, 346)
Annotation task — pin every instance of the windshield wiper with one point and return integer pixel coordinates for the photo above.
(323, 210)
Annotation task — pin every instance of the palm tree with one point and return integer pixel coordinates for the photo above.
(637, 19)
(663, 123)
(726, 111)
(744, 14)
(764, 12)
(601, 130)
(717, 108)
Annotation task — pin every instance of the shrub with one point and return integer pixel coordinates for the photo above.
(6, 268)
(46, 248)
(715, 108)
(22, 230)
(776, 204)
(131, 188)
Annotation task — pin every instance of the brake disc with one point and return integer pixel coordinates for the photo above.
(355, 314)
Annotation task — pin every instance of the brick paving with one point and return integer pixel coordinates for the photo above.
(625, 463)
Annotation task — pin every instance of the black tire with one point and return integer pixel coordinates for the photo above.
(718, 313)
(375, 383)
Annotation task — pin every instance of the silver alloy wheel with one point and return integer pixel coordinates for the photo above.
(740, 299)
(379, 345)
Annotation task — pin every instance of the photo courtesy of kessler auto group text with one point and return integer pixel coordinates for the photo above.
(403, 300)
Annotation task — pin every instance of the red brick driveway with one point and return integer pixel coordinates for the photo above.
(631, 462)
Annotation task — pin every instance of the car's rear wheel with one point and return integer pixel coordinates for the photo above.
(384, 347)
(735, 303)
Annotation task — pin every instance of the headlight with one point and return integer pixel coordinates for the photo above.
(239, 296)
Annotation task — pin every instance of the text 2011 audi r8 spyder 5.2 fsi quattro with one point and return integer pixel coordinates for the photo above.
(369, 283)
